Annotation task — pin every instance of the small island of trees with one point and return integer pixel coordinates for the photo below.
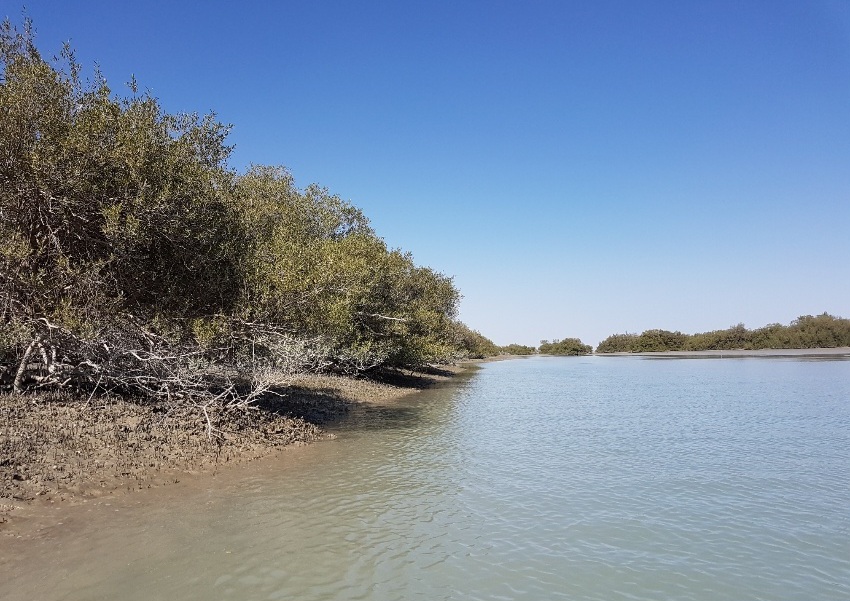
(567, 346)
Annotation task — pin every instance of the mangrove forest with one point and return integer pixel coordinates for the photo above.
(134, 259)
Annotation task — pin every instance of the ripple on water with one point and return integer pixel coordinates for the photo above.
(591, 478)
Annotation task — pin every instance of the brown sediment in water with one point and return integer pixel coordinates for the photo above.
(60, 449)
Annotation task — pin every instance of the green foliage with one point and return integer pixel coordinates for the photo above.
(807, 331)
(108, 203)
(821, 331)
(473, 344)
(312, 263)
(657, 340)
(567, 346)
(517, 349)
(618, 343)
(735, 337)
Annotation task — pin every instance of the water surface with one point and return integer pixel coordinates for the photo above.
(548, 478)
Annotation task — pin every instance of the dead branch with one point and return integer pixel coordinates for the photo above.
(379, 316)
(17, 386)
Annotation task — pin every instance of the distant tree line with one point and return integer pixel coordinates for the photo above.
(133, 258)
(517, 349)
(807, 331)
(477, 346)
(567, 346)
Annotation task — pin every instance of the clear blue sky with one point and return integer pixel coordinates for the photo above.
(580, 168)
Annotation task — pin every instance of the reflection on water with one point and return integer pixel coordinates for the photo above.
(546, 478)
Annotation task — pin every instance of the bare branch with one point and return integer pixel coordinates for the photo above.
(379, 316)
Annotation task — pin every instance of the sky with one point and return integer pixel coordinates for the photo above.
(580, 168)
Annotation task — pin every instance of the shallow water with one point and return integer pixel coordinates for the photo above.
(547, 478)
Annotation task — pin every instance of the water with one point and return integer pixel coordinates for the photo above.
(575, 478)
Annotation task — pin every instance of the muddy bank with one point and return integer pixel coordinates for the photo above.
(62, 449)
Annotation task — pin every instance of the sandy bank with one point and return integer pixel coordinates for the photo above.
(64, 450)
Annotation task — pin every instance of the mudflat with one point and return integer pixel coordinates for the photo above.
(62, 450)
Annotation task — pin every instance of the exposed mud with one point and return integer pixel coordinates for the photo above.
(66, 448)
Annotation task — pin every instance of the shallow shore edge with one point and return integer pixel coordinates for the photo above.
(67, 451)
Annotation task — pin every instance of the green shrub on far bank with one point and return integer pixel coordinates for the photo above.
(807, 331)
(618, 343)
(567, 346)
(517, 349)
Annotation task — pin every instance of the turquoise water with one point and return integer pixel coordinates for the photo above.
(548, 478)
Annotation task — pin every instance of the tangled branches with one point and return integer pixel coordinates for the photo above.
(126, 356)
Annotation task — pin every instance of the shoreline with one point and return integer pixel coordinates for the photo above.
(814, 353)
(58, 451)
